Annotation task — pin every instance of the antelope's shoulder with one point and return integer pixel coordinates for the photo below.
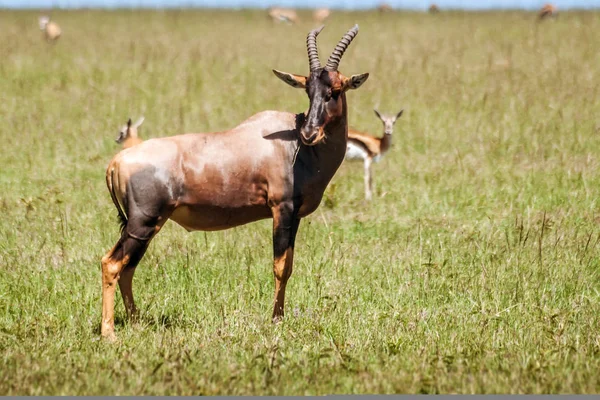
(269, 122)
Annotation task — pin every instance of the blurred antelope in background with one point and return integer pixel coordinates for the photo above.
(283, 15)
(434, 9)
(321, 14)
(547, 11)
(50, 28)
(128, 135)
(273, 165)
(368, 148)
(385, 7)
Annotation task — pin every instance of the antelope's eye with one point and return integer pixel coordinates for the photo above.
(336, 94)
(328, 95)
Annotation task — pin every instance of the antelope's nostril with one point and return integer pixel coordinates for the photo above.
(308, 135)
(309, 139)
(311, 135)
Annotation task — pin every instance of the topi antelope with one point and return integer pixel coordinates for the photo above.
(547, 11)
(51, 29)
(369, 148)
(273, 165)
(283, 15)
(128, 135)
(321, 14)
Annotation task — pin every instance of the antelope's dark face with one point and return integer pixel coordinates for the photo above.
(325, 88)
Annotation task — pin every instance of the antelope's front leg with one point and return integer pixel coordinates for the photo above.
(285, 227)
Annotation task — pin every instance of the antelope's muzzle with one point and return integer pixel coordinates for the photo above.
(311, 136)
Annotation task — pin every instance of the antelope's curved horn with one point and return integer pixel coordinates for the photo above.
(311, 45)
(340, 48)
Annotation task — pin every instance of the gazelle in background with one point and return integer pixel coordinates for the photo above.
(434, 9)
(321, 14)
(368, 148)
(128, 135)
(548, 10)
(283, 15)
(273, 165)
(50, 28)
(385, 7)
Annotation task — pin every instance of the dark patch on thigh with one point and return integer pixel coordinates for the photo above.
(147, 200)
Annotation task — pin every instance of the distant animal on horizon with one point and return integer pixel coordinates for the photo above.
(369, 148)
(434, 9)
(321, 14)
(128, 135)
(385, 7)
(547, 11)
(50, 28)
(288, 15)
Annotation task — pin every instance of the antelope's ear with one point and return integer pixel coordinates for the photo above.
(129, 123)
(355, 81)
(297, 81)
(138, 122)
(377, 113)
(399, 114)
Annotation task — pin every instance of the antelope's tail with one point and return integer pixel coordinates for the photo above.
(111, 188)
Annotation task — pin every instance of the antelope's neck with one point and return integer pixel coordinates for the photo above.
(386, 143)
(333, 150)
(316, 165)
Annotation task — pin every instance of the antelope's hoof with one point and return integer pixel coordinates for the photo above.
(109, 337)
(277, 319)
(134, 317)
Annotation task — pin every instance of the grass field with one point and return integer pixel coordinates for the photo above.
(475, 269)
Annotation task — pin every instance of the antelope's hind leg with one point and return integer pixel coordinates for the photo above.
(285, 227)
(125, 282)
(368, 179)
(118, 265)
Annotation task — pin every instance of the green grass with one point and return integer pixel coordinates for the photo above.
(474, 270)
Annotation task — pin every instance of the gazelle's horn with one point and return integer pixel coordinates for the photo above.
(340, 48)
